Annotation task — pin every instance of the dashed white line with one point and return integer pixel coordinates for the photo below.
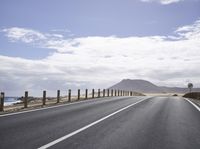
(88, 126)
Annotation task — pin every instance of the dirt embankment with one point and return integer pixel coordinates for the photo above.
(194, 97)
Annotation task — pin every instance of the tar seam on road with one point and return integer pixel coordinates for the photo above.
(193, 104)
(88, 126)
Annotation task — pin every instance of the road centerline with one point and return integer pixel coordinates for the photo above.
(88, 126)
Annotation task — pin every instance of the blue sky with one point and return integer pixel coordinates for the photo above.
(99, 18)
(79, 44)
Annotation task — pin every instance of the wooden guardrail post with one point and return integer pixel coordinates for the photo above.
(26, 99)
(69, 95)
(108, 93)
(112, 92)
(118, 92)
(2, 101)
(99, 92)
(58, 96)
(86, 93)
(78, 94)
(104, 92)
(44, 98)
(92, 93)
(115, 92)
(121, 93)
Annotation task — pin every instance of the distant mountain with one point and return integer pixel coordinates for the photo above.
(144, 86)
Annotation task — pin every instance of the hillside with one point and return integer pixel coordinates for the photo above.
(144, 86)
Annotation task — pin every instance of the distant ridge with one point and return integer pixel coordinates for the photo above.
(144, 86)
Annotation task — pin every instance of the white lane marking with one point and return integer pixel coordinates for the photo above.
(66, 104)
(39, 109)
(193, 104)
(87, 126)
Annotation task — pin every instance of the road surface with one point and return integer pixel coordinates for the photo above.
(106, 123)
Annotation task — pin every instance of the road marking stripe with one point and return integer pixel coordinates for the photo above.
(39, 109)
(61, 105)
(193, 104)
(87, 126)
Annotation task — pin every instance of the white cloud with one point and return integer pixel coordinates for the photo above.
(101, 61)
(16, 34)
(163, 2)
(190, 31)
(24, 35)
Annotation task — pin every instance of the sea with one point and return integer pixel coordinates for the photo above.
(11, 100)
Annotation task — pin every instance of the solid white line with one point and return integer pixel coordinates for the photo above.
(193, 104)
(39, 109)
(87, 126)
(61, 105)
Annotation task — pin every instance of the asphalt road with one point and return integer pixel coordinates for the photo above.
(106, 123)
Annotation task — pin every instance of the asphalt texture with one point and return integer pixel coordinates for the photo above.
(154, 123)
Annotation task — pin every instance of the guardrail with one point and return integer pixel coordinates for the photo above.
(99, 93)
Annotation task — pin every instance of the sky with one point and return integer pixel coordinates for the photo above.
(62, 44)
